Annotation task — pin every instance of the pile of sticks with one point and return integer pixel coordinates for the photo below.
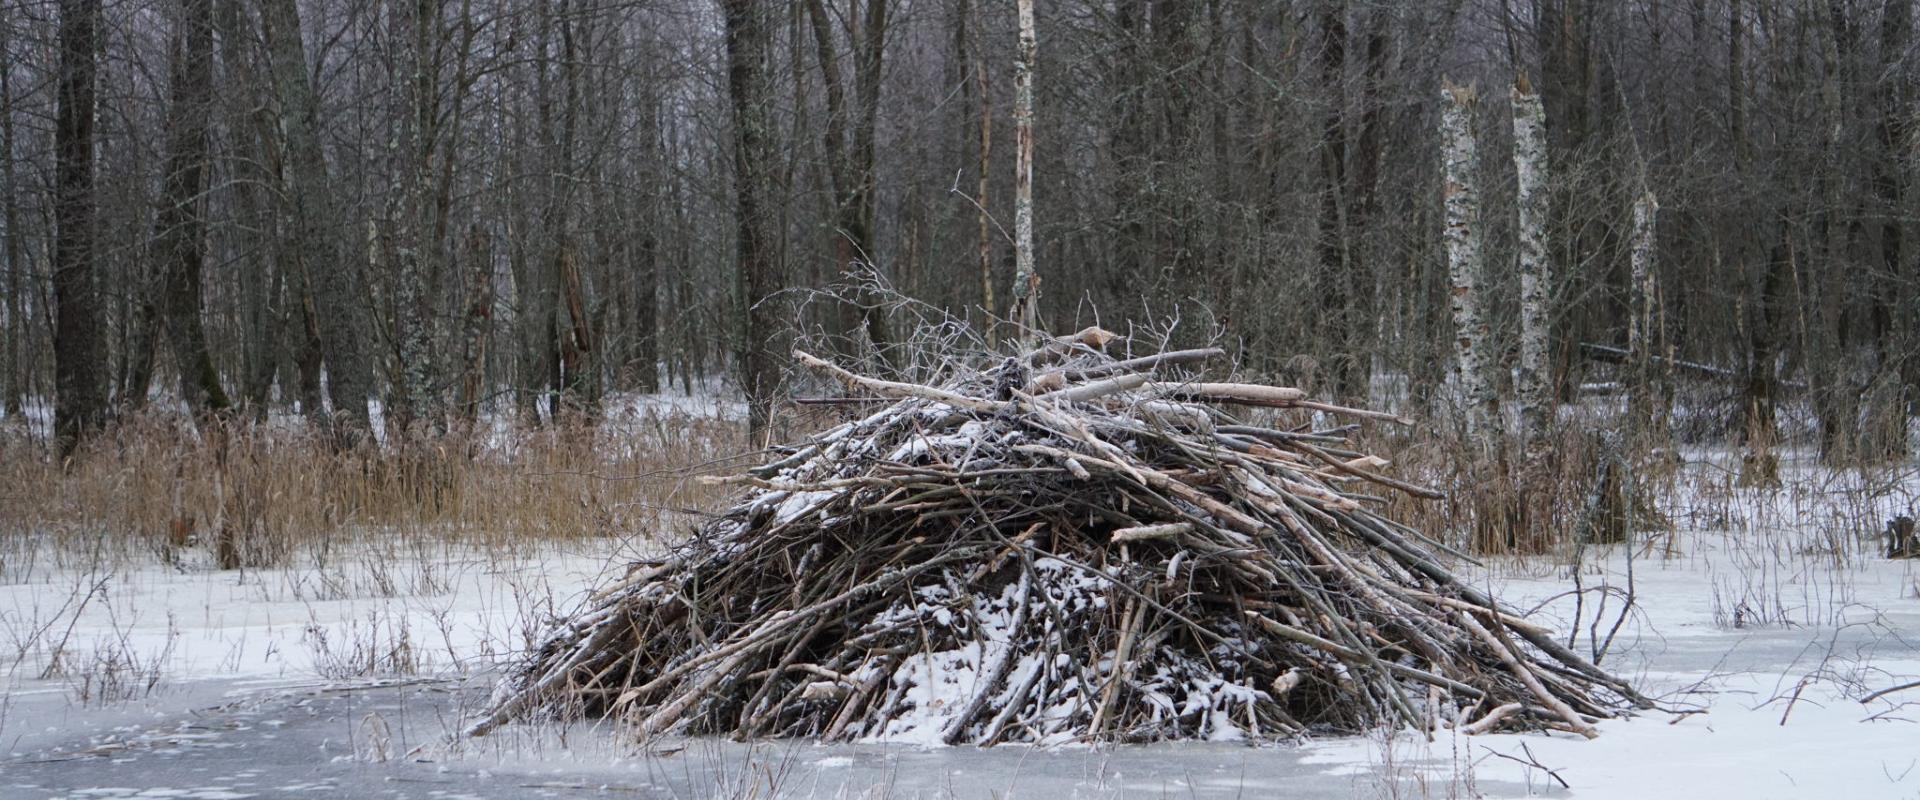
(1064, 546)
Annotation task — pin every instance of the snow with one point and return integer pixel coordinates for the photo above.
(1769, 613)
(1778, 691)
(362, 612)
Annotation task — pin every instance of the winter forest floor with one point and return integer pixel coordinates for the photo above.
(1761, 619)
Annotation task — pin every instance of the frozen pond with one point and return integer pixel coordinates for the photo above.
(1761, 642)
(233, 739)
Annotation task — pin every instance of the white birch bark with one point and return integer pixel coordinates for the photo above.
(1640, 332)
(1461, 162)
(1536, 274)
(1026, 282)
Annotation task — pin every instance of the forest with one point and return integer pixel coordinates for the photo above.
(449, 206)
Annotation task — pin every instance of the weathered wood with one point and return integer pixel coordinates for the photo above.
(815, 605)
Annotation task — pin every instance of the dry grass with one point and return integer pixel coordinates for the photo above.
(1576, 489)
(255, 495)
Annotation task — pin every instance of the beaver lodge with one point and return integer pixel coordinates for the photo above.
(1053, 547)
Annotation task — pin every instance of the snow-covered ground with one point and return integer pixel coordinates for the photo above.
(1760, 624)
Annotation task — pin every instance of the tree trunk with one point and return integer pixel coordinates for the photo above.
(180, 235)
(410, 24)
(756, 281)
(1026, 281)
(1829, 351)
(1363, 213)
(251, 163)
(1536, 274)
(848, 137)
(1337, 265)
(1895, 309)
(1461, 166)
(1759, 465)
(977, 108)
(80, 400)
(338, 293)
(1644, 407)
(983, 221)
(646, 278)
(477, 327)
(573, 351)
(13, 353)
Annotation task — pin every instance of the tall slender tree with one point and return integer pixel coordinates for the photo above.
(180, 236)
(756, 281)
(1026, 279)
(13, 353)
(849, 140)
(410, 27)
(79, 356)
(336, 299)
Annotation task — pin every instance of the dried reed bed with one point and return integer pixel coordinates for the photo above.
(257, 494)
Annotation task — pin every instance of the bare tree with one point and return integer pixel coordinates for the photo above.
(410, 26)
(13, 355)
(180, 238)
(80, 403)
(1026, 281)
(849, 139)
(747, 44)
(336, 309)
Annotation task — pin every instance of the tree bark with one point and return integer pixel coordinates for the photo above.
(574, 351)
(1898, 330)
(1337, 265)
(1644, 405)
(1531, 169)
(410, 24)
(1460, 163)
(756, 281)
(252, 163)
(14, 351)
(80, 399)
(1026, 281)
(337, 290)
(646, 278)
(180, 236)
(977, 95)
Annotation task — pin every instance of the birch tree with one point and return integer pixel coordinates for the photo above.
(1643, 406)
(1026, 282)
(1460, 162)
(1536, 274)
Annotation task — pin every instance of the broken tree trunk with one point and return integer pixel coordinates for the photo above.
(1536, 274)
(1461, 163)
